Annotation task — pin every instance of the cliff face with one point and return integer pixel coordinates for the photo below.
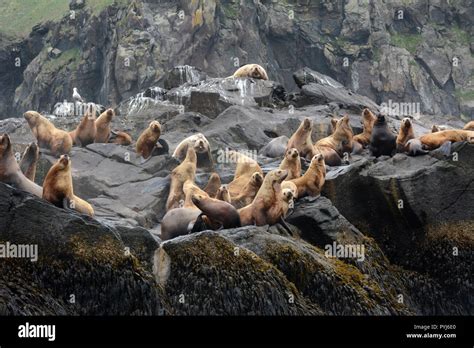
(405, 51)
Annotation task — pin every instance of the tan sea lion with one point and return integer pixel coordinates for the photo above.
(103, 126)
(201, 146)
(368, 121)
(120, 138)
(248, 192)
(10, 172)
(213, 185)
(29, 161)
(85, 132)
(311, 183)
(405, 134)
(267, 206)
(146, 143)
(183, 172)
(251, 70)
(58, 189)
(469, 126)
(47, 135)
(341, 140)
(189, 189)
(291, 163)
(301, 139)
(245, 169)
(223, 194)
(432, 141)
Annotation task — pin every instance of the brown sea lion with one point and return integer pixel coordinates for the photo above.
(251, 70)
(432, 141)
(341, 140)
(85, 132)
(146, 143)
(217, 211)
(178, 222)
(368, 121)
(183, 172)
(266, 208)
(223, 194)
(47, 135)
(58, 189)
(103, 126)
(382, 140)
(291, 163)
(10, 172)
(311, 183)
(29, 161)
(405, 134)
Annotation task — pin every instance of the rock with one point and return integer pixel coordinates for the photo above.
(73, 252)
(54, 53)
(180, 75)
(77, 4)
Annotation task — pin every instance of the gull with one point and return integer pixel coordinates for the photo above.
(76, 96)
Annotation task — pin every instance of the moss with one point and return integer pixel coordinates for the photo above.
(69, 58)
(231, 10)
(464, 95)
(408, 41)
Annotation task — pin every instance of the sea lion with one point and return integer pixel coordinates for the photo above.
(405, 134)
(223, 194)
(311, 183)
(290, 185)
(301, 139)
(266, 208)
(287, 197)
(432, 141)
(47, 135)
(178, 222)
(413, 147)
(102, 125)
(248, 192)
(146, 143)
(332, 125)
(291, 163)
(29, 161)
(435, 128)
(189, 189)
(276, 148)
(341, 140)
(244, 171)
(251, 70)
(213, 185)
(217, 211)
(382, 140)
(183, 172)
(201, 146)
(58, 189)
(469, 126)
(10, 172)
(85, 133)
(368, 120)
(120, 138)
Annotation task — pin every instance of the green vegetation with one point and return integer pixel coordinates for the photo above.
(464, 95)
(17, 17)
(70, 57)
(460, 36)
(231, 10)
(408, 41)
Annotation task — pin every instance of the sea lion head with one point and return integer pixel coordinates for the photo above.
(380, 120)
(197, 198)
(5, 144)
(287, 194)
(155, 127)
(257, 178)
(307, 124)
(292, 153)
(367, 114)
(64, 162)
(317, 160)
(31, 117)
(278, 175)
(257, 72)
(406, 124)
(435, 128)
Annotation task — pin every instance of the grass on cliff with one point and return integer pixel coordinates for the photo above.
(17, 17)
(408, 41)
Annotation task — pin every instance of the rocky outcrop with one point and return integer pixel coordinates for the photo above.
(399, 51)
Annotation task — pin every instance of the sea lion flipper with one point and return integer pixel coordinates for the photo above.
(285, 225)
